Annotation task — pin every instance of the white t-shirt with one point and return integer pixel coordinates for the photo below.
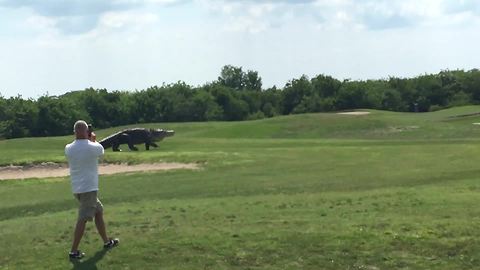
(82, 158)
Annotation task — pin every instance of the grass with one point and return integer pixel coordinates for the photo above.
(315, 191)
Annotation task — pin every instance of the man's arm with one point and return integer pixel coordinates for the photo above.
(99, 151)
(67, 150)
(92, 137)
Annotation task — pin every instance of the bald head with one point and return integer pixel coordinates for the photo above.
(81, 129)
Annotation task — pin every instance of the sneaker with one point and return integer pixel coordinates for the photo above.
(76, 254)
(111, 243)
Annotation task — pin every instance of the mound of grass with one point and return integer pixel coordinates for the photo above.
(452, 124)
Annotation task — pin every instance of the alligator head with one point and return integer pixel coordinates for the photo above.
(159, 134)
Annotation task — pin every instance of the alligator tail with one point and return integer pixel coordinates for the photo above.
(108, 141)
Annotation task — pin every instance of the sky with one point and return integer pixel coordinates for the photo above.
(50, 47)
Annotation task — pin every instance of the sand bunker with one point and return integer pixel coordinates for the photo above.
(354, 113)
(45, 170)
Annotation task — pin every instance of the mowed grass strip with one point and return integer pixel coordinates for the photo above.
(394, 228)
(249, 171)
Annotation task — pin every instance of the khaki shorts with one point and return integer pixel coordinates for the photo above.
(89, 205)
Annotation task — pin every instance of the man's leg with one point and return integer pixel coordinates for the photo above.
(79, 230)
(100, 223)
(101, 226)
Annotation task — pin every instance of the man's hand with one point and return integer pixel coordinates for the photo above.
(93, 137)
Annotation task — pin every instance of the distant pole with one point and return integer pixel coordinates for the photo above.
(415, 106)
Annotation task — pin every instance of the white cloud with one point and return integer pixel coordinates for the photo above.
(250, 16)
(41, 23)
(348, 14)
(81, 16)
(76, 17)
(165, 2)
(126, 18)
(246, 24)
(260, 10)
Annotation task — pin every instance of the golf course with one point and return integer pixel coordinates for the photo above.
(370, 190)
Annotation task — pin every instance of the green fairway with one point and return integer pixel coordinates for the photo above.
(316, 191)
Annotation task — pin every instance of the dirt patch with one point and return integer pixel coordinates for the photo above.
(45, 170)
(354, 113)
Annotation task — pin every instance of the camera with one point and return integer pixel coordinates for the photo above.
(90, 130)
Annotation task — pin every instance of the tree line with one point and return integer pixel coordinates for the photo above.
(236, 95)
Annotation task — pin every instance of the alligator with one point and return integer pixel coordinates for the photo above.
(134, 136)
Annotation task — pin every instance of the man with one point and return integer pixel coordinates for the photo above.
(82, 155)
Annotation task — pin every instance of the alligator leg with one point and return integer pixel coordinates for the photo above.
(115, 147)
(131, 146)
(148, 144)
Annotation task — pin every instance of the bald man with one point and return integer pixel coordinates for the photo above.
(82, 155)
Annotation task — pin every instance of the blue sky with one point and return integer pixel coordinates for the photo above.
(52, 46)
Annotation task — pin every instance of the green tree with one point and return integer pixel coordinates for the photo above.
(146, 108)
(19, 118)
(3, 107)
(96, 103)
(236, 79)
(204, 107)
(232, 77)
(56, 116)
(271, 102)
(325, 86)
(294, 92)
(392, 100)
(175, 102)
(407, 90)
(431, 91)
(253, 99)
(470, 83)
(252, 81)
(352, 95)
(460, 99)
(234, 108)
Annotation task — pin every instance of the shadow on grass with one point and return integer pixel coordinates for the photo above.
(91, 263)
